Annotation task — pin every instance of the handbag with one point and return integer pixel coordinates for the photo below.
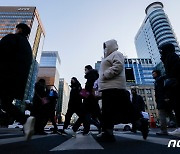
(44, 100)
(84, 93)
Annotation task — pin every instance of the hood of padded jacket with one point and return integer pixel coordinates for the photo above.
(110, 46)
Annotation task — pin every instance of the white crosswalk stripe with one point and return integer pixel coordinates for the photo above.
(79, 142)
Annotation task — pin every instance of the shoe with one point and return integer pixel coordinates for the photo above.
(70, 132)
(61, 131)
(162, 133)
(144, 128)
(29, 127)
(175, 132)
(105, 137)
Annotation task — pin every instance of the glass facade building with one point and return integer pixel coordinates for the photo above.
(49, 68)
(139, 71)
(10, 17)
(155, 31)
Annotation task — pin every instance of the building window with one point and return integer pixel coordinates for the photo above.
(130, 61)
(150, 98)
(148, 91)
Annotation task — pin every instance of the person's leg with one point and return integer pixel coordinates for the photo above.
(172, 118)
(176, 106)
(107, 110)
(52, 118)
(163, 122)
(13, 110)
(75, 127)
(68, 118)
(108, 101)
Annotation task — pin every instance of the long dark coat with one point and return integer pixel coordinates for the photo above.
(15, 62)
(160, 93)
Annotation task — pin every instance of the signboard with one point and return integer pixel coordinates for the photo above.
(129, 74)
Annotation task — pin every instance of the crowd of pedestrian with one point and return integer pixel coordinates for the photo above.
(108, 85)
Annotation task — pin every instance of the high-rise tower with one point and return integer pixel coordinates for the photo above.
(154, 32)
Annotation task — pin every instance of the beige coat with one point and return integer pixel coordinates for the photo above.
(112, 72)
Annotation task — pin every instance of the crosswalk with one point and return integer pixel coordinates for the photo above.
(84, 142)
(78, 143)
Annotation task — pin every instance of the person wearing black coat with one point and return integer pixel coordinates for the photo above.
(15, 63)
(137, 101)
(171, 63)
(163, 103)
(75, 101)
(88, 104)
(50, 108)
(39, 110)
(138, 106)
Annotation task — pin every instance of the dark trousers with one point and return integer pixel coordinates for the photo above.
(12, 110)
(52, 119)
(174, 97)
(85, 114)
(70, 112)
(116, 108)
(83, 118)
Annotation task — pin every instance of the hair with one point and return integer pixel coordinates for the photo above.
(158, 72)
(89, 67)
(169, 47)
(42, 81)
(74, 78)
(25, 28)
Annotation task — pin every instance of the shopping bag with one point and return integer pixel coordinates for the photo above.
(84, 93)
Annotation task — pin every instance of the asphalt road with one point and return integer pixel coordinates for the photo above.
(12, 141)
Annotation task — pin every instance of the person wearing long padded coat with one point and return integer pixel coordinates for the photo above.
(116, 105)
(15, 63)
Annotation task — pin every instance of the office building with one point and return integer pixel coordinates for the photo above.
(49, 68)
(139, 71)
(11, 16)
(62, 105)
(155, 31)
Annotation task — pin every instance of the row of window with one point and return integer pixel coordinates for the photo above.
(7, 26)
(139, 61)
(6, 30)
(151, 107)
(11, 17)
(19, 13)
(13, 21)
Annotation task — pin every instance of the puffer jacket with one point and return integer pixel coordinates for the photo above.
(112, 72)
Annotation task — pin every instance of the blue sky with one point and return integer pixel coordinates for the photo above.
(78, 28)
